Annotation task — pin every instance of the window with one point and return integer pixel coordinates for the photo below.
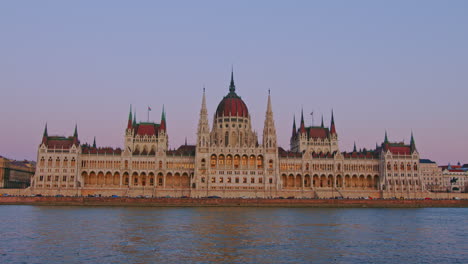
(237, 179)
(221, 179)
(252, 180)
(41, 178)
(244, 180)
(271, 180)
(203, 179)
(64, 178)
(226, 138)
(260, 180)
(213, 180)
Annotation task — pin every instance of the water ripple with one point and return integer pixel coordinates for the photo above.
(33, 234)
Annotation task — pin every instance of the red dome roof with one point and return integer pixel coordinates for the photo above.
(232, 104)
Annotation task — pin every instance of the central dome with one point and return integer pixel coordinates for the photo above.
(232, 104)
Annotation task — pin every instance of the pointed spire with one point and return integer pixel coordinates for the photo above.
(163, 114)
(163, 119)
(302, 127)
(75, 134)
(185, 141)
(134, 118)
(129, 125)
(386, 137)
(94, 142)
(413, 143)
(45, 131)
(232, 87)
(269, 110)
(354, 148)
(203, 101)
(322, 123)
(332, 125)
(294, 130)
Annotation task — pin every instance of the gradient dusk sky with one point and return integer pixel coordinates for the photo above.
(399, 66)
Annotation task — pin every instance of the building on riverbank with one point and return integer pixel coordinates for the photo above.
(455, 178)
(432, 176)
(15, 174)
(228, 160)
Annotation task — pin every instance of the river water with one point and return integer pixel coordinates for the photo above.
(66, 234)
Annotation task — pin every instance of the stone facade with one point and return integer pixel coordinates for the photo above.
(454, 178)
(228, 160)
(432, 176)
(15, 174)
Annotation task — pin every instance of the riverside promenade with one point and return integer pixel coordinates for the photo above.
(229, 202)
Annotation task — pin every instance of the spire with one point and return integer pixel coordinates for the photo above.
(302, 127)
(203, 107)
(203, 140)
(232, 87)
(269, 130)
(386, 138)
(269, 110)
(163, 120)
(185, 141)
(45, 131)
(94, 142)
(129, 125)
(412, 144)
(294, 131)
(322, 123)
(134, 118)
(332, 125)
(75, 133)
(354, 148)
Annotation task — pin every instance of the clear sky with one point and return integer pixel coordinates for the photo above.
(399, 66)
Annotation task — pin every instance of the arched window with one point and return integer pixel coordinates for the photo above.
(260, 162)
(203, 163)
(252, 161)
(228, 160)
(42, 162)
(389, 166)
(244, 160)
(213, 161)
(270, 164)
(221, 160)
(226, 139)
(307, 166)
(415, 166)
(236, 161)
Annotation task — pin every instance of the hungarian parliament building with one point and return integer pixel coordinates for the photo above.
(228, 160)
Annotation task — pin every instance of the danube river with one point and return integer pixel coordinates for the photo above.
(63, 234)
